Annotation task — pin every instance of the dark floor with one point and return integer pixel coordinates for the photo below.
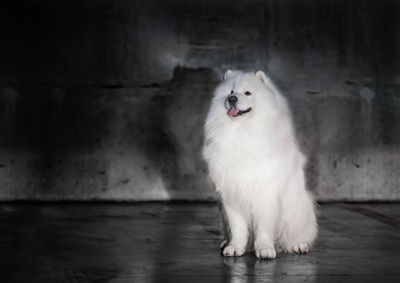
(179, 243)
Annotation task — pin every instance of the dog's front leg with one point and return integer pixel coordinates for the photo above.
(238, 232)
(264, 225)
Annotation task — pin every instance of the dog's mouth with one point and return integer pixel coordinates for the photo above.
(234, 112)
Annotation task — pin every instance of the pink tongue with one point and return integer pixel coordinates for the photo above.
(233, 111)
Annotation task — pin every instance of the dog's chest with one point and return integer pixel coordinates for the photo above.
(242, 156)
(243, 146)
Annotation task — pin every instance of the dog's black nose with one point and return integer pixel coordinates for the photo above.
(232, 99)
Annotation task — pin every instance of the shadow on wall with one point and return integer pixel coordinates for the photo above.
(173, 145)
(160, 144)
(187, 102)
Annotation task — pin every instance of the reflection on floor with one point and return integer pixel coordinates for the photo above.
(179, 243)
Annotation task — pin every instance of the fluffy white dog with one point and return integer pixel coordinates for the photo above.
(257, 168)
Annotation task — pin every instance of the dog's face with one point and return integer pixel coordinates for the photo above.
(240, 93)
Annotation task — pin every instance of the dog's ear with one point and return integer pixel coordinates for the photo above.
(227, 74)
(264, 79)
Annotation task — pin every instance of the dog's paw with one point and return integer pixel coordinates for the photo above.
(230, 250)
(300, 248)
(265, 253)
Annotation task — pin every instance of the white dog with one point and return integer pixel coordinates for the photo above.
(257, 168)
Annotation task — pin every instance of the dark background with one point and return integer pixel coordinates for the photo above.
(106, 99)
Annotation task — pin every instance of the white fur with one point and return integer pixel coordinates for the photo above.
(258, 169)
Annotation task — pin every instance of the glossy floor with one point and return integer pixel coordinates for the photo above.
(179, 243)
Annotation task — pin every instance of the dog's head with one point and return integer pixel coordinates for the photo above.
(242, 93)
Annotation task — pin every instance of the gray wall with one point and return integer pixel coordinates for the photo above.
(106, 99)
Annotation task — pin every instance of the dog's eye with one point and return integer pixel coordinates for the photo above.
(231, 91)
(247, 93)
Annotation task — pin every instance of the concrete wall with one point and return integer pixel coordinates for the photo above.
(106, 99)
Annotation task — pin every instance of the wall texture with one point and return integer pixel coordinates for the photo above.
(106, 99)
